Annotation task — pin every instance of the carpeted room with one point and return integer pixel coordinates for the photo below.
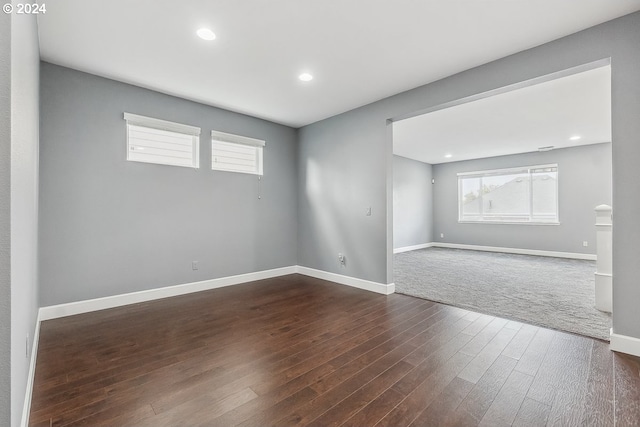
(494, 214)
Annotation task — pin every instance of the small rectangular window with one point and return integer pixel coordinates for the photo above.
(235, 153)
(158, 141)
(518, 195)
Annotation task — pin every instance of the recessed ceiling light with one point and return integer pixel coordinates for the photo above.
(206, 34)
(305, 77)
(575, 137)
(448, 156)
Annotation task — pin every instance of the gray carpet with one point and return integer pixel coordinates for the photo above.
(555, 293)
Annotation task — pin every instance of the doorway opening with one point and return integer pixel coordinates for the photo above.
(494, 200)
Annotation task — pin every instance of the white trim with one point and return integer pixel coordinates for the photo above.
(69, 309)
(505, 171)
(571, 255)
(496, 222)
(625, 344)
(86, 306)
(26, 408)
(412, 248)
(348, 280)
(236, 139)
(135, 119)
(605, 62)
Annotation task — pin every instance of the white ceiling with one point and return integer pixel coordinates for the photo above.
(359, 51)
(520, 121)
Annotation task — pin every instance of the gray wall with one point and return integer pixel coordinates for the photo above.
(5, 222)
(412, 202)
(584, 181)
(109, 226)
(353, 153)
(25, 66)
(343, 163)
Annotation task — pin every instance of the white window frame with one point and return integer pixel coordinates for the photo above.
(507, 171)
(238, 140)
(164, 125)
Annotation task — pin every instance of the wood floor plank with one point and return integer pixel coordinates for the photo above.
(296, 350)
(423, 395)
(483, 337)
(520, 342)
(532, 414)
(506, 405)
(339, 413)
(199, 411)
(434, 361)
(265, 414)
(479, 365)
(535, 353)
(375, 410)
(128, 414)
(600, 392)
(512, 324)
(345, 381)
(627, 386)
(433, 342)
(349, 365)
(479, 323)
(440, 412)
(564, 369)
(343, 388)
(242, 378)
(477, 402)
(359, 357)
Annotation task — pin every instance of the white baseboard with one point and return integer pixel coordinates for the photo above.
(625, 344)
(412, 248)
(536, 252)
(79, 307)
(26, 408)
(349, 281)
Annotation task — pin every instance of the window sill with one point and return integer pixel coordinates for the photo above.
(508, 222)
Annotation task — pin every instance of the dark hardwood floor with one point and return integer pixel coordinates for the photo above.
(297, 351)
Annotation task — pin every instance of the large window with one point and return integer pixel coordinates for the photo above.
(158, 141)
(518, 195)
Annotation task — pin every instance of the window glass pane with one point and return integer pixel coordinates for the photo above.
(545, 201)
(528, 194)
(506, 197)
(470, 199)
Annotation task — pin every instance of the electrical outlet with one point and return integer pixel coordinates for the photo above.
(342, 259)
(368, 211)
(442, 235)
(194, 265)
(585, 243)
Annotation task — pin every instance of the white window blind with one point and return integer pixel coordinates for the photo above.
(235, 153)
(520, 195)
(158, 141)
